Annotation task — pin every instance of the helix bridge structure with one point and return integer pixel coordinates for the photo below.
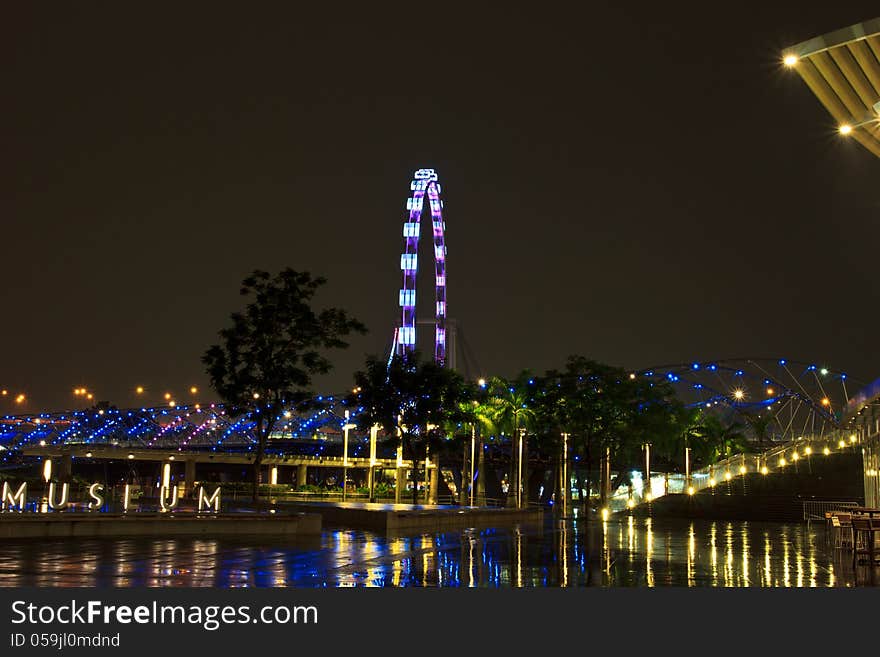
(799, 398)
(185, 428)
(804, 399)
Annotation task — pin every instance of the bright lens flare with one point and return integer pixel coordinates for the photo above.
(790, 60)
(845, 129)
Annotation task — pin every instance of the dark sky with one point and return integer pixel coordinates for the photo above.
(640, 183)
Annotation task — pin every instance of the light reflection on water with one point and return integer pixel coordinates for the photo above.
(625, 552)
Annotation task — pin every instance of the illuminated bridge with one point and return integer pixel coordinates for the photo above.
(804, 398)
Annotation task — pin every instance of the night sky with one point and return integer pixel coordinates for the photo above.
(640, 183)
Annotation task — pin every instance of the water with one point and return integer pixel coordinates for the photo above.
(629, 552)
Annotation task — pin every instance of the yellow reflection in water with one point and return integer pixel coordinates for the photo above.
(691, 554)
(606, 554)
(713, 552)
(728, 561)
(786, 557)
(649, 552)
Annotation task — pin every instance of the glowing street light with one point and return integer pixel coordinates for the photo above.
(20, 399)
(845, 129)
(193, 390)
(738, 393)
(139, 390)
(790, 60)
(167, 396)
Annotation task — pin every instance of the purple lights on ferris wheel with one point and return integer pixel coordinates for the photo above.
(424, 183)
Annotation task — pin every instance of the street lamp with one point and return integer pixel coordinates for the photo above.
(345, 429)
(846, 129)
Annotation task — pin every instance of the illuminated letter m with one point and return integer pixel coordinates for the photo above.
(10, 501)
(206, 502)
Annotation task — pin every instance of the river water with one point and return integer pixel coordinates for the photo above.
(624, 552)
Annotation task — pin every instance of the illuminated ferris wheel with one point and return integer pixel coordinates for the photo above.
(424, 183)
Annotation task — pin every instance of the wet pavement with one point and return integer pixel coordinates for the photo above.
(624, 552)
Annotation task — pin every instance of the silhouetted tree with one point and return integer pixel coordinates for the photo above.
(414, 401)
(267, 358)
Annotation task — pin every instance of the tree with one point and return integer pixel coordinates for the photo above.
(267, 358)
(596, 403)
(761, 426)
(413, 400)
(479, 410)
(512, 413)
(723, 438)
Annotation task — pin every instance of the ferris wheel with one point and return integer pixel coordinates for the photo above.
(424, 183)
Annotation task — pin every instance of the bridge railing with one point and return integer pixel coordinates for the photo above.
(777, 458)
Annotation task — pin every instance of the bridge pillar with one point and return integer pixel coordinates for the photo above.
(399, 484)
(302, 475)
(189, 476)
(65, 469)
(433, 480)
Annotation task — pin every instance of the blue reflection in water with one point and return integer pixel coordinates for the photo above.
(621, 552)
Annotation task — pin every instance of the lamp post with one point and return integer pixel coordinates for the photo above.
(473, 447)
(566, 482)
(374, 431)
(687, 469)
(519, 467)
(345, 429)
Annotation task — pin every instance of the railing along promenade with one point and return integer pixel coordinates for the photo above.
(784, 457)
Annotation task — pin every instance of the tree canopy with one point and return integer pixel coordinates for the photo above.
(267, 358)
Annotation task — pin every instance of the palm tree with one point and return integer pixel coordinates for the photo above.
(480, 413)
(512, 412)
(722, 439)
(761, 428)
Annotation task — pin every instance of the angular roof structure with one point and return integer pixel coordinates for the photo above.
(842, 69)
